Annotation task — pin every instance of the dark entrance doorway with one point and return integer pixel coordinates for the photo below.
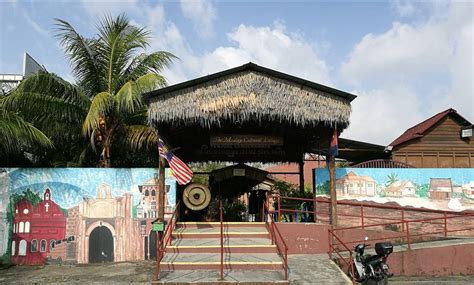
(152, 245)
(101, 245)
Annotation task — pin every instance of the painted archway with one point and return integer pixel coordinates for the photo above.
(101, 243)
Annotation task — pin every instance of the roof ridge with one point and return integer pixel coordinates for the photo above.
(420, 128)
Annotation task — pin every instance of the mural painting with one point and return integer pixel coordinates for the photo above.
(80, 215)
(434, 188)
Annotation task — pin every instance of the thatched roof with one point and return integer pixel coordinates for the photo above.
(249, 93)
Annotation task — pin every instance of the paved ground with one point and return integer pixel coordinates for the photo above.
(303, 269)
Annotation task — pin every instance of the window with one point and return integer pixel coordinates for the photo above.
(153, 193)
(13, 247)
(369, 185)
(34, 245)
(43, 245)
(52, 244)
(27, 227)
(22, 227)
(25, 211)
(22, 248)
(14, 228)
(147, 193)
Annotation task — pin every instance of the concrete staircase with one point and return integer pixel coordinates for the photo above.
(247, 246)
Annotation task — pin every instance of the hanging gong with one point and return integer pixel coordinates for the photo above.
(196, 196)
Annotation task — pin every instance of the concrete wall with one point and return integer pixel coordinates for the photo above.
(434, 261)
(302, 238)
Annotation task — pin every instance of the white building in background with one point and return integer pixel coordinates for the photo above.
(8, 81)
(4, 197)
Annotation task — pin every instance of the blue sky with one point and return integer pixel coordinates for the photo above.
(406, 60)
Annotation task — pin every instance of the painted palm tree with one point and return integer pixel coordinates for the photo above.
(111, 71)
(391, 178)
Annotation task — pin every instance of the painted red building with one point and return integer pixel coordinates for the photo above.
(36, 229)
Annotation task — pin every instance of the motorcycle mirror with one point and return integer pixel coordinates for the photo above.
(366, 238)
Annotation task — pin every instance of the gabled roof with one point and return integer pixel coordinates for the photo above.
(249, 67)
(440, 182)
(419, 130)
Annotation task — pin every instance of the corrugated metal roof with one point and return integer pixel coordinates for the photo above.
(418, 130)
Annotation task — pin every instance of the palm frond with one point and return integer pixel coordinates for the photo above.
(15, 133)
(100, 107)
(45, 99)
(129, 97)
(140, 136)
(146, 63)
(118, 41)
(87, 63)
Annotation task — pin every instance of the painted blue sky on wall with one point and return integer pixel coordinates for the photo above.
(419, 175)
(70, 186)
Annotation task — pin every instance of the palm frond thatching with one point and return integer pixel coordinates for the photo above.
(250, 96)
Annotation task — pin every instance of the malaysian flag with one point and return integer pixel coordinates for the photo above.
(180, 170)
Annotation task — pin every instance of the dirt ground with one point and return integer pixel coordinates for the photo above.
(105, 273)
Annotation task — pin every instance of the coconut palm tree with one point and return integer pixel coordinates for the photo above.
(111, 71)
(16, 134)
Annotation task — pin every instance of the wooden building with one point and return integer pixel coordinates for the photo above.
(248, 114)
(436, 143)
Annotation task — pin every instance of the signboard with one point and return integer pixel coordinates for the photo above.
(245, 141)
(158, 227)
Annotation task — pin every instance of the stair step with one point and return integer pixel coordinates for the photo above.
(205, 277)
(248, 261)
(216, 242)
(218, 224)
(216, 235)
(277, 265)
(217, 248)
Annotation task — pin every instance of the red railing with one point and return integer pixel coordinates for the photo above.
(166, 239)
(332, 249)
(222, 239)
(407, 237)
(363, 209)
(272, 229)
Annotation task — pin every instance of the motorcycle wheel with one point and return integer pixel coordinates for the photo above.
(369, 281)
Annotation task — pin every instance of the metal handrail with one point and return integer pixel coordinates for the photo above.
(332, 249)
(368, 205)
(273, 229)
(406, 235)
(166, 238)
(222, 239)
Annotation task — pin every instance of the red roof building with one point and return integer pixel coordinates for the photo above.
(36, 229)
(436, 143)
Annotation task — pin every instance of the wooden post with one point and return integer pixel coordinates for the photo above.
(161, 190)
(301, 169)
(332, 192)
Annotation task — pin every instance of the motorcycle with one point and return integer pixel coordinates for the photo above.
(371, 269)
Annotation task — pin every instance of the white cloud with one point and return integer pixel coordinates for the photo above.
(272, 47)
(403, 8)
(40, 30)
(431, 61)
(202, 14)
(380, 115)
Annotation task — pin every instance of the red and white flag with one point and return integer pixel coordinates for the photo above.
(180, 170)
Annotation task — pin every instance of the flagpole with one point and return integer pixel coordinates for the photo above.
(161, 190)
(161, 186)
(332, 187)
(333, 152)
